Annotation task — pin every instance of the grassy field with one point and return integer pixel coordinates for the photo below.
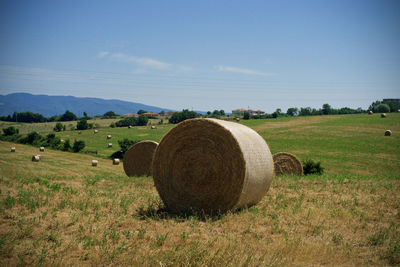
(62, 211)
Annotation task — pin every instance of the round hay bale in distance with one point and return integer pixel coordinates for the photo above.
(13, 149)
(115, 161)
(109, 145)
(129, 127)
(109, 136)
(286, 163)
(139, 157)
(36, 158)
(79, 132)
(212, 165)
(94, 163)
(388, 133)
(95, 131)
(41, 149)
(153, 127)
(370, 112)
(383, 115)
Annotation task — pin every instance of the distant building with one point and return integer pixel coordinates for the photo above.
(241, 111)
(130, 115)
(150, 114)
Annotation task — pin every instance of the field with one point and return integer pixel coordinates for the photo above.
(62, 211)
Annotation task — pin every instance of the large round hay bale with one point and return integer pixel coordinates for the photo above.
(286, 163)
(36, 158)
(13, 149)
(115, 161)
(41, 149)
(138, 159)
(388, 133)
(109, 136)
(383, 115)
(370, 112)
(94, 163)
(212, 165)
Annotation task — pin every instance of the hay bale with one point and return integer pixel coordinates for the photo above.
(370, 112)
(109, 136)
(383, 115)
(62, 141)
(109, 145)
(36, 158)
(398, 110)
(94, 163)
(129, 126)
(212, 165)
(41, 149)
(13, 149)
(138, 159)
(115, 161)
(286, 163)
(153, 127)
(79, 132)
(388, 133)
(95, 131)
(237, 119)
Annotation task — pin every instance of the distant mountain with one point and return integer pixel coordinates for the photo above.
(56, 105)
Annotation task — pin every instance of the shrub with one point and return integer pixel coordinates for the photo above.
(112, 125)
(142, 120)
(66, 146)
(246, 116)
(68, 116)
(10, 131)
(130, 121)
(181, 116)
(32, 138)
(78, 146)
(125, 144)
(312, 167)
(59, 127)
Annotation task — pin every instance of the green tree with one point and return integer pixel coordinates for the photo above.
(68, 116)
(109, 114)
(381, 108)
(10, 131)
(82, 124)
(59, 127)
(292, 111)
(66, 146)
(141, 111)
(246, 115)
(326, 109)
(78, 145)
(181, 116)
(142, 120)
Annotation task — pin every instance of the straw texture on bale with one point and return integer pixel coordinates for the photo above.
(108, 136)
(41, 149)
(388, 133)
(36, 158)
(212, 165)
(370, 112)
(13, 149)
(94, 163)
(115, 161)
(286, 163)
(383, 115)
(138, 159)
(109, 144)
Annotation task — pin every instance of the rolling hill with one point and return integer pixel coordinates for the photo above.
(55, 105)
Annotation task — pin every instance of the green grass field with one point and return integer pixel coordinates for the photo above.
(63, 211)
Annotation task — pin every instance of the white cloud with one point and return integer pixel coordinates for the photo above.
(241, 70)
(103, 54)
(140, 61)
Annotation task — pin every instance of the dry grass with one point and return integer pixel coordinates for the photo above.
(73, 214)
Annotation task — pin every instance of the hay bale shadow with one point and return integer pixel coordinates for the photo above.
(158, 211)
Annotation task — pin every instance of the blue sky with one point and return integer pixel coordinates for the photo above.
(204, 55)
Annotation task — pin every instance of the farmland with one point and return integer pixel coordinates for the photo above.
(62, 211)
